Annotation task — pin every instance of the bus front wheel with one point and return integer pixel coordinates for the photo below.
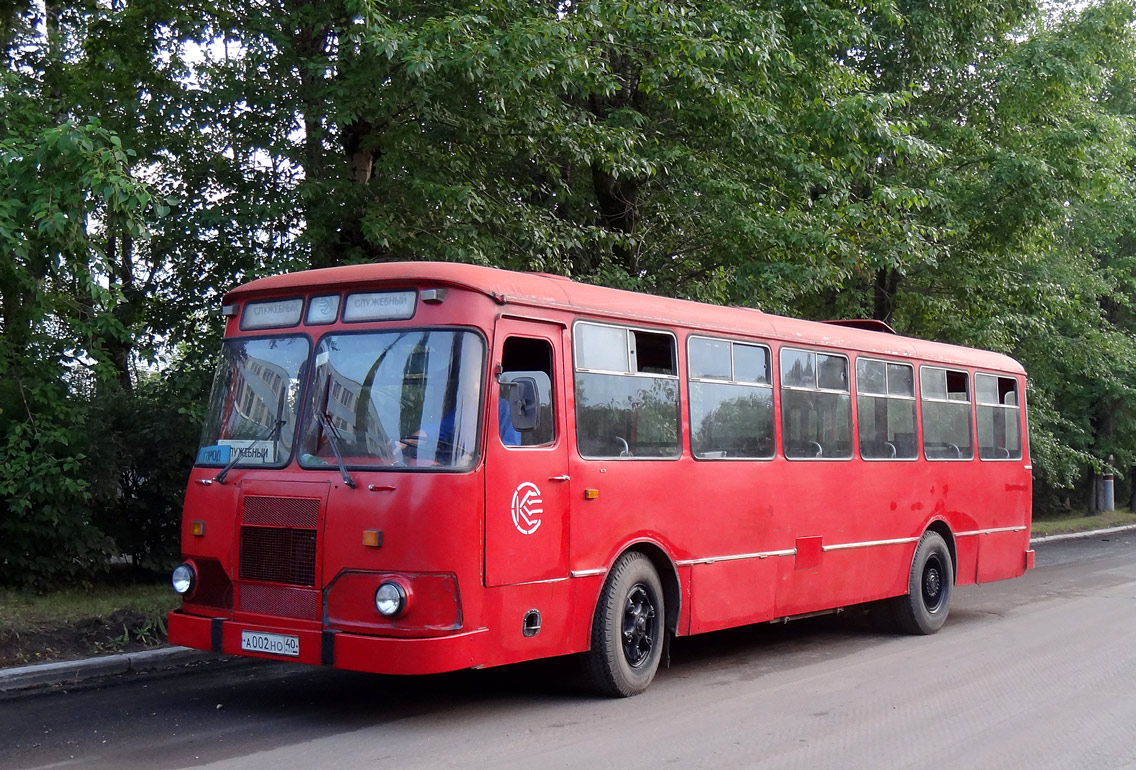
(923, 610)
(627, 632)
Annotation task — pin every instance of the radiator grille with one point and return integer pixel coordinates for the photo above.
(295, 512)
(278, 555)
(281, 601)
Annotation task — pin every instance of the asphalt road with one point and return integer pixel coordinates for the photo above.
(1032, 673)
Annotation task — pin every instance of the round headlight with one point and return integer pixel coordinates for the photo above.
(183, 578)
(390, 599)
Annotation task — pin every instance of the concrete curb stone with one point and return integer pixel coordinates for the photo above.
(42, 675)
(68, 671)
(1078, 535)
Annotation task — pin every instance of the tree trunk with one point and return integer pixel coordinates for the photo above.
(1103, 422)
(885, 295)
(1096, 489)
(618, 211)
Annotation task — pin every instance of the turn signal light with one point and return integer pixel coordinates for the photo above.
(197, 528)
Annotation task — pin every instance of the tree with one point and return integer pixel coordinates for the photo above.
(962, 171)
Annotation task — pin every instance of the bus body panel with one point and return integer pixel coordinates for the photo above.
(732, 592)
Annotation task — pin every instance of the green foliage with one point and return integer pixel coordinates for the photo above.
(964, 171)
(51, 183)
(44, 524)
(141, 446)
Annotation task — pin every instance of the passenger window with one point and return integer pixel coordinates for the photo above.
(709, 359)
(947, 433)
(526, 363)
(731, 400)
(885, 410)
(999, 417)
(816, 408)
(798, 369)
(602, 349)
(626, 392)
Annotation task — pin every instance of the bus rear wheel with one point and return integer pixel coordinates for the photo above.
(627, 632)
(923, 610)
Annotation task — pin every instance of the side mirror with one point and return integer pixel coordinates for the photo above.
(524, 402)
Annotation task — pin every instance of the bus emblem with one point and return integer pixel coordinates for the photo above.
(527, 508)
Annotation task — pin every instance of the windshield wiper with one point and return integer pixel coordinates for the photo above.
(333, 440)
(272, 431)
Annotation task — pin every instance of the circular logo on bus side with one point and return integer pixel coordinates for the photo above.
(527, 508)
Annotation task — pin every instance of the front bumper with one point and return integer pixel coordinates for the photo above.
(355, 652)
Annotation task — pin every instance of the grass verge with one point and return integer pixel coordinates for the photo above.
(77, 623)
(1063, 526)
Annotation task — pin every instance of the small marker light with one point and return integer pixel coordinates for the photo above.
(197, 528)
(591, 494)
(373, 538)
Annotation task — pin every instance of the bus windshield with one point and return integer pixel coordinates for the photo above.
(406, 398)
(252, 410)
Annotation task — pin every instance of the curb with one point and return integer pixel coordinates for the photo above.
(1079, 535)
(72, 671)
(42, 675)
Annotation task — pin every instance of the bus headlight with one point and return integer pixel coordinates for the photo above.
(390, 599)
(184, 578)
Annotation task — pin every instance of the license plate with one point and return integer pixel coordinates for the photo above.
(273, 644)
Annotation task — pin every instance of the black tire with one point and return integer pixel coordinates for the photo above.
(628, 629)
(929, 587)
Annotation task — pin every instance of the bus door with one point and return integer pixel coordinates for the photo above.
(526, 456)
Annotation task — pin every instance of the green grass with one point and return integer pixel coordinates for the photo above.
(1042, 525)
(19, 610)
(77, 622)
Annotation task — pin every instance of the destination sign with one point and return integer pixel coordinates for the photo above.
(272, 315)
(380, 306)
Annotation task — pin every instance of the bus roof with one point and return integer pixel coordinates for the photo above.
(541, 290)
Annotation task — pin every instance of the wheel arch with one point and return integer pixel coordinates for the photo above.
(944, 531)
(668, 576)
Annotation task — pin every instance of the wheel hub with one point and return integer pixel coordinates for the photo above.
(932, 586)
(638, 626)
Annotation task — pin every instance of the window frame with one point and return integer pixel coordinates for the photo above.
(780, 403)
(554, 395)
(632, 362)
(923, 398)
(631, 355)
(482, 379)
(690, 378)
(886, 395)
(297, 419)
(1018, 407)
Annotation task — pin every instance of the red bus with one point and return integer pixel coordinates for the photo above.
(417, 468)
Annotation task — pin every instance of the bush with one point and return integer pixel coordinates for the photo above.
(147, 443)
(46, 533)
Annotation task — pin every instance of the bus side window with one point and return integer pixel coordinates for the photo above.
(531, 360)
(816, 408)
(999, 417)
(946, 414)
(885, 408)
(626, 392)
(731, 399)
